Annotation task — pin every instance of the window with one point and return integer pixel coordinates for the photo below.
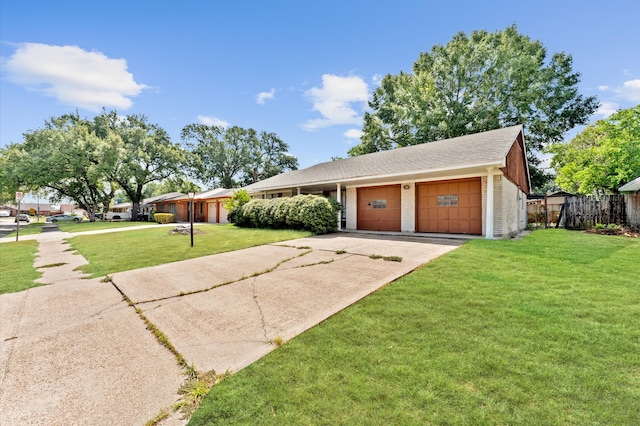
(447, 200)
(379, 204)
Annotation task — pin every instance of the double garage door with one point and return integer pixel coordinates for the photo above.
(453, 206)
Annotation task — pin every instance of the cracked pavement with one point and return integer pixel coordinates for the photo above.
(75, 352)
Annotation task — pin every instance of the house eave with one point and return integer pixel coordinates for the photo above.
(415, 175)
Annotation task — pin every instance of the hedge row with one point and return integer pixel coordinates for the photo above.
(306, 212)
(164, 217)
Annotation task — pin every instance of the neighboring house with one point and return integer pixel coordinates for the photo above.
(44, 209)
(208, 206)
(475, 184)
(122, 211)
(633, 186)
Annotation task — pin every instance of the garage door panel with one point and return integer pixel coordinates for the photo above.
(379, 208)
(450, 207)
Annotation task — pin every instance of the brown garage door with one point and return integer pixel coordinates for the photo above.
(453, 206)
(379, 208)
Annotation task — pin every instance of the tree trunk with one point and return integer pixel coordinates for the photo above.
(135, 207)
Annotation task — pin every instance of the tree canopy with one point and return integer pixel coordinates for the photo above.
(67, 157)
(145, 154)
(87, 161)
(474, 83)
(601, 158)
(235, 156)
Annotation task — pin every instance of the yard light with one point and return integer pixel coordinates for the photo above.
(191, 195)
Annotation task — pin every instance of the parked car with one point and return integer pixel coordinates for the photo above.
(22, 218)
(5, 213)
(62, 218)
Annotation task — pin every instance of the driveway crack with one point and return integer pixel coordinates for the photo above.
(255, 299)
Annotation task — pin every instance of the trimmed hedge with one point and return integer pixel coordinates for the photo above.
(306, 212)
(164, 218)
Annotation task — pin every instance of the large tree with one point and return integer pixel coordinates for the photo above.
(476, 83)
(235, 156)
(601, 158)
(68, 159)
(145, 154)
(268, 156)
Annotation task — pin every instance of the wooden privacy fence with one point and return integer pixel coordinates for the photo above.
(584, 212)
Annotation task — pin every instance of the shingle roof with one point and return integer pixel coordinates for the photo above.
(486, 148)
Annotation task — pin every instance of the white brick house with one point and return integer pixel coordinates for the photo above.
(475, 184)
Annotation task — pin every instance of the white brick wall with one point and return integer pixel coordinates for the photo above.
(509, 207)
(352, 208)
(408, 207)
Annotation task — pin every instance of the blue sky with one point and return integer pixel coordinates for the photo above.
(302, 70)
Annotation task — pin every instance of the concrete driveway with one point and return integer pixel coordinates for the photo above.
(75, 352)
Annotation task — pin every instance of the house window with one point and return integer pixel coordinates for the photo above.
(172, 208)
(379, 204)
(447, 200)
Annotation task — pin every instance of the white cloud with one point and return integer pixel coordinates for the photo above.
(353, 133)
(212, 121)
(603, 88)
(263, 96)
(73, 76)
(606, 109)
(630, 90)
(335, 99)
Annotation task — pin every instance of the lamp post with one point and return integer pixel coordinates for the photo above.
(191, 195)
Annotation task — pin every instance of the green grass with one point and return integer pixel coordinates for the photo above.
(16, 266)
(539, 331)
(122, 251)
(30, 229)
(96, 226)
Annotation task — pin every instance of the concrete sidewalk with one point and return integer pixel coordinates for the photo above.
(75, 352)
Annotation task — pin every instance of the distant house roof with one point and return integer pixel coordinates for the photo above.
(477, 150)
(205, 195)
(149, 201)
(215, 193)
(163, 197)
(633, 186)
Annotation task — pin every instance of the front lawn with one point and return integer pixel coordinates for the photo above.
(30, 229)
(96, 226)
(122, 251)
(539, 331)
(16, 266)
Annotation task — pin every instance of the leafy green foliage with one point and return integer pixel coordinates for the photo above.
(70, 157)
(145, 154)
(87, 161)
(163, 218)
(235, 203)
(602, 157)
(476, 83)
(307, 212)
(235, 156)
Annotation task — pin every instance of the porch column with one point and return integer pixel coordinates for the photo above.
(489, 210)
(298, 189)
(338, 198)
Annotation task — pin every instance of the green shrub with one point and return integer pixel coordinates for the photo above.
(164, 217)
(304, 212)
(234, 205)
